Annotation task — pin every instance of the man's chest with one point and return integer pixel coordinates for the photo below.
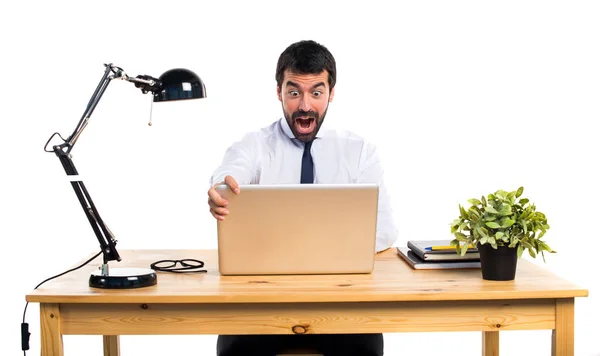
(332, 165)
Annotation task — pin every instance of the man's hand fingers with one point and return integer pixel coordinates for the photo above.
(217, 204)
(215, 197)
(221, 210)
(233, 185)
(217, 216)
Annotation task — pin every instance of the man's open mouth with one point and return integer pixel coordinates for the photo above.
(305, 125)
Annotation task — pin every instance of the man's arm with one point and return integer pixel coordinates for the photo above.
(239, 162)
(238, 167)
(371, 171)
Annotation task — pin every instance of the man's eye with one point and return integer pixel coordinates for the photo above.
(293, 93)
(317, 93)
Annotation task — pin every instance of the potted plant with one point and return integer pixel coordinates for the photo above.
(501, 227)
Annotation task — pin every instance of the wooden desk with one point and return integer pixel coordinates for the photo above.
(394, 298)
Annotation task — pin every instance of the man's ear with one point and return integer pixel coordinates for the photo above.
(279, 93)
(331, 94)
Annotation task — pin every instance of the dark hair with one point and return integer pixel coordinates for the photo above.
(306, 57)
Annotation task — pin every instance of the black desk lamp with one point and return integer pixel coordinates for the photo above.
(175, 84)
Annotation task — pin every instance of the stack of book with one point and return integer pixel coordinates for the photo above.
(437, 254)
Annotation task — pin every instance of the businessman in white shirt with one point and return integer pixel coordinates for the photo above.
(293, 149)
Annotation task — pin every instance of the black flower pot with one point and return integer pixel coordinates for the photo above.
(498, 264)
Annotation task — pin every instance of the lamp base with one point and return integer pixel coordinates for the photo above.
(124, 278)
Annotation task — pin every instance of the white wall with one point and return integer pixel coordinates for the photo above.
(462, 98)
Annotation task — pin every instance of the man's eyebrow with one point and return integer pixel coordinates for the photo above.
(296, 85)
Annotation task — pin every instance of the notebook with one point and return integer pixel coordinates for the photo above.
(440, 250)
(298, 229)
(416, 263)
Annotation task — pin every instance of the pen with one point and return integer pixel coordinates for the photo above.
(437, 248)
(443, 247)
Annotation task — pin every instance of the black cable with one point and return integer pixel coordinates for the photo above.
(25, 326)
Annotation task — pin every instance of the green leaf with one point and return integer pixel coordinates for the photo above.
(460, 236)
(505, 209)
(507, 222)
(511, 197)
(540, 214)
(513, 243)
(499, 235)
(492, 225)
(519, 251)
(491, 217)
(463, 212)
(545, 247)
(526, 244)
(474, 201)
(490, 209)
(519, 192)
(523, 201)
(481, 232)
(524, 225)
(464, 249)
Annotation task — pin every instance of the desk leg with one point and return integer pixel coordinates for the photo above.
(490, 343)
(111, 345)
(563, 335)
(51, 343)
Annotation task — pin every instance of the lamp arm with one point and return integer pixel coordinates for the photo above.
(103, 234)
(63, 152)
(146, 84)
(81, 125)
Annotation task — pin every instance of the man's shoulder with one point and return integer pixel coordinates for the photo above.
(272, 128)
(262, 132)
(342, 134)
(349, 142)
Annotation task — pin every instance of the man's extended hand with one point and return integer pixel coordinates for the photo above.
(217, 204)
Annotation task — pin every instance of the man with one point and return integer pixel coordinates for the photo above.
(294, 149)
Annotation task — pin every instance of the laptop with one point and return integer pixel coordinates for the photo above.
(298, 229)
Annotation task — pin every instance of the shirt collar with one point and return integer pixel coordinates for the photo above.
(286, 128)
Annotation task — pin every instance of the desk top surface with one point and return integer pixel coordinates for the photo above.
(391, 280)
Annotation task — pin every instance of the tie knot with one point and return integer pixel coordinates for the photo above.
(307, 145)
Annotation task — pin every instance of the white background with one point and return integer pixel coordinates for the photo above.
(461, 97)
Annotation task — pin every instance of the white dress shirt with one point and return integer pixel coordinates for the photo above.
(273, 155)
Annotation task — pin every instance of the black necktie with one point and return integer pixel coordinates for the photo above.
(307, 175)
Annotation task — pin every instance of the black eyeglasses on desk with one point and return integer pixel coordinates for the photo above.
(187, 265)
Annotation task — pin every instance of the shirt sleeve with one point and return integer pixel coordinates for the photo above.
(239, 162)
(370, 170)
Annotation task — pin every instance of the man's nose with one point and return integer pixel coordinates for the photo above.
(305, 103)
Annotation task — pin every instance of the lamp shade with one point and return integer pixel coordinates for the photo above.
(180, 84)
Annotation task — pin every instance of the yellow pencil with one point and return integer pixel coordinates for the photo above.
(434, 248)
(444, 247)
